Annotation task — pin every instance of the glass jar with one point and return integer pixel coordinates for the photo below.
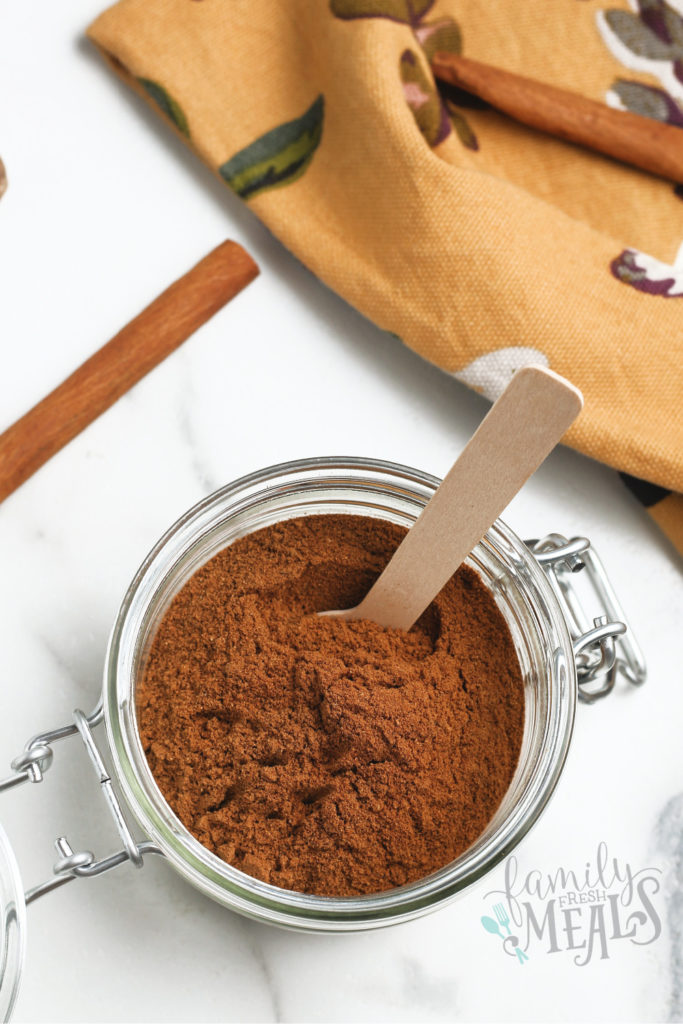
(562, 656)
(12, 927)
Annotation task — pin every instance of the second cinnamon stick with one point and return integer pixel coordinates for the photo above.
(639, 141)
(122, 362)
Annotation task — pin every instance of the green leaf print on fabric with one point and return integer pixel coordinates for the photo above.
(650, 41)
(648, 101)
(409, 12)
(636, 36)
(168, 106)
(462, 128)
(444, 36)
(439, 35)
(423, 99)
(434, 116)
(277, 158)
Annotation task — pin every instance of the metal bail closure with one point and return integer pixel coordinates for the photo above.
(31, 765)
(603, 641)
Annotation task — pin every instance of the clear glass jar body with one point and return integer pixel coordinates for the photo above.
(357, 487)
(12, 927)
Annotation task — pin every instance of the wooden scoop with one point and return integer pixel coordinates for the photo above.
(524, 425)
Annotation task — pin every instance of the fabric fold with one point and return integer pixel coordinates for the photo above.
(481, 244)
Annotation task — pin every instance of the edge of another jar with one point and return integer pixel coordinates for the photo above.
(263, 901)
(13, 923)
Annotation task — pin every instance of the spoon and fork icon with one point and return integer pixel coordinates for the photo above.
(503, 921)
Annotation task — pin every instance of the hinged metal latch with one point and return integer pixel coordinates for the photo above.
(603, 641)
(31, 766)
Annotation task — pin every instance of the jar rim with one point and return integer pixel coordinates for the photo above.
(204, 869)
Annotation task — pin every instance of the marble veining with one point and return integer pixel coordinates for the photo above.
(286, 371)
(264, 968)
(669, 843)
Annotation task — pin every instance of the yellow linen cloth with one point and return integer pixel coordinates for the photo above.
(480, 243)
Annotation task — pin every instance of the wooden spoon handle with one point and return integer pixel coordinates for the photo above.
(122, 362)
(639, 141)
(521, 429)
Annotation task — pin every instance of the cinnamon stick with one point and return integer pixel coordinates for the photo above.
(640, 141)
(122, 362)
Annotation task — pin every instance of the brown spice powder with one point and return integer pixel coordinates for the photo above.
(323, 756)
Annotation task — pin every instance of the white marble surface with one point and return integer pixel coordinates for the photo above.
(105, 208)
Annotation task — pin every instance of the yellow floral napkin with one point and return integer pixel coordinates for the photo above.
(481, 244)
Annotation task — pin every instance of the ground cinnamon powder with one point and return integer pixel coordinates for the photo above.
(323, 756)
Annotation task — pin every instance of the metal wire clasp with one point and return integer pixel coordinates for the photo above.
(31, 765)
(604, 644)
